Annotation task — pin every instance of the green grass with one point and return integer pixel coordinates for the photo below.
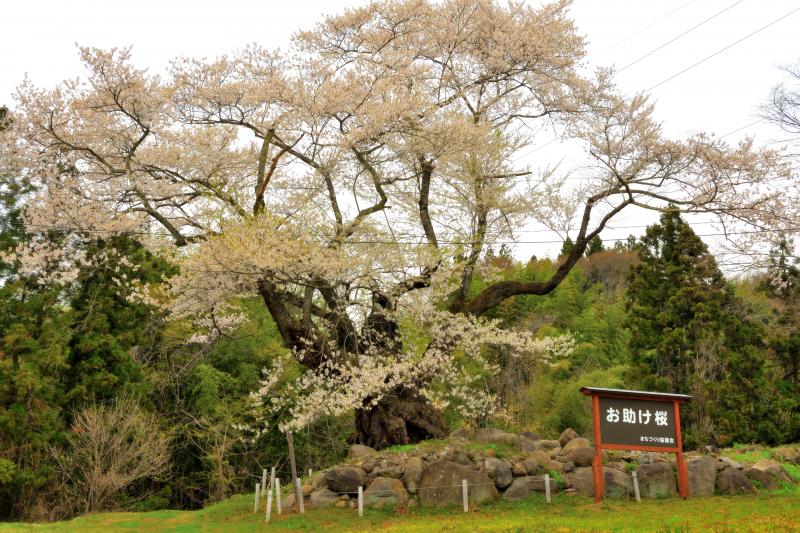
(500, 450)
(792, 470)
(746, 453)
(432, 444)
(775, 511)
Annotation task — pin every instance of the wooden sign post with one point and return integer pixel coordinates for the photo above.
(636, 420)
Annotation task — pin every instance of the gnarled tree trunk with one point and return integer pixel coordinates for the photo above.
(401, 418)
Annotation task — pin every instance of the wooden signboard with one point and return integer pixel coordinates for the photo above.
(636, 420)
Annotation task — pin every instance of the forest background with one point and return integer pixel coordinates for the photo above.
(651, 313)
(108, 401)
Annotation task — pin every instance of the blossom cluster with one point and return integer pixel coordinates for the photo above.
(450, 372)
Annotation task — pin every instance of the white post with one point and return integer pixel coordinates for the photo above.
(264, 481)
(360, 501)
(464, 490)
(547, 487)
(255, 507)
(269, 505)
(300, 503)
(310, 473)
(278, 494)
(636, 486)
(271, 478)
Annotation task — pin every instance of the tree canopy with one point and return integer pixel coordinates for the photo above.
(357, 178)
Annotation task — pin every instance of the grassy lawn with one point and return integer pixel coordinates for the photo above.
(776, 511)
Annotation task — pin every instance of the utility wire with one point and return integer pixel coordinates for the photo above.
(418, 242)
(654, 50)
(610, 227)
(690, 67)
(639, 31)
(721, 50)
(737, 130)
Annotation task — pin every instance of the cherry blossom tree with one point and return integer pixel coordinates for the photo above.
(356, 180)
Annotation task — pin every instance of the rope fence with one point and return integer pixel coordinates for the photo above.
(275, 485)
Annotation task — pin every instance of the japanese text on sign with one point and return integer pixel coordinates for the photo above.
(637, 422)
(629, 416)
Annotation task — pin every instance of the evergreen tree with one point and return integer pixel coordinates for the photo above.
(567, 247)
(34, 330)
(595, 245)
(782, 284)
(690, 335)
(505, 251)
(106, 325)
(628, 245)
(782, 271)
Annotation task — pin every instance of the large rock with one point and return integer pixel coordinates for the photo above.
(522, 487)
(388, 469)
(385, 492)
(539, 484)
(357, 451)
(622, 466)
(773, 468)
(412, 473)
(762, 479)
(581, 456)
(499, 471)
(344, 479)
(527, 445)
(322, 498)
(727, 461)
(582, 480)
(787, 454)
(656, 480)
(544, 460)
(532, 466)
(456, 453)
(463, 433)
(496, 436)
(550, 447)
(530, 435)
(617, 484)
(702, 473)
(318, 481)
(546, 463)
(734, 481)
(368, 464)
(441, 484)
(566, 436)
(578, 443)
(644, 458)
(518, 469)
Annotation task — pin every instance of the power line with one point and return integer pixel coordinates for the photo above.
(418, 242)
(639, 31)
(618, 239)
(721, 50)
(790, 140)
(687, 68)
(54, 227)
(737, 130)
(654, 50)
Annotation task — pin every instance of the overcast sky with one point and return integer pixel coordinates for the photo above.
(719, 96)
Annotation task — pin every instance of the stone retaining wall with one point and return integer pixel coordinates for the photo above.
(433, 477)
